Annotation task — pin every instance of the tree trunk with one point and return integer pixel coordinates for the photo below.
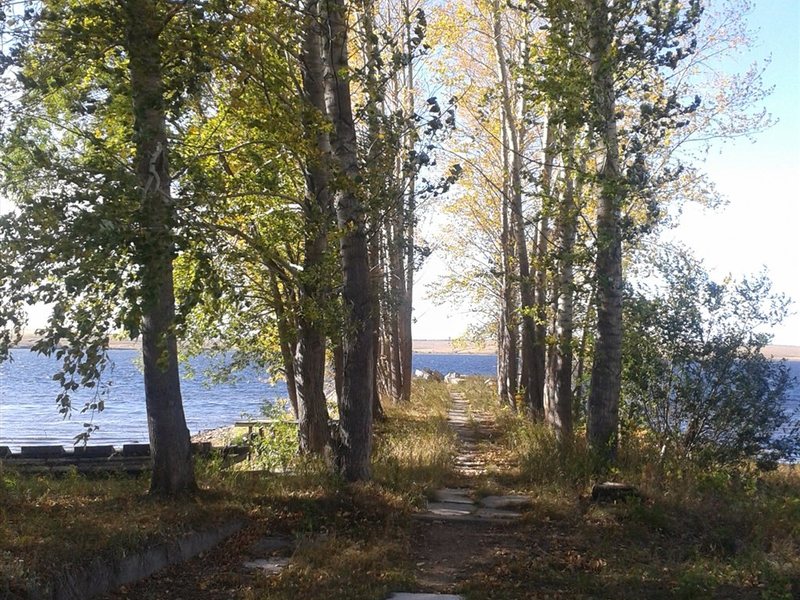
(355, 409)
(543, 244)
(559, 397)
(173, 471)
(603, 408)
(508, 321)
(531, 381)
(313, 430)
(406, 299)
(288, 345)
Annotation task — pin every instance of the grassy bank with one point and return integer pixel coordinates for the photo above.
(348, 537)
(696, 533)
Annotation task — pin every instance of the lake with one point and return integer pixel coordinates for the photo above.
(28, 414)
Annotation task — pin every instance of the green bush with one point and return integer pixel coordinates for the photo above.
(693, 371)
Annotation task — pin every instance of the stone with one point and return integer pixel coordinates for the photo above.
(450, 509)
(93, 451)
(507, 501)
(611, 491)
(429, 375)
(42, 451)
(269, 566)
(496, 513)
(271, 545)
(423, 596)
(453, 496)
(136, 450)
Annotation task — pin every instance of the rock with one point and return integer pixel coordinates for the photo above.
(508, 501)
(454, 377)
(453, 496)
(496, 513)
(613, 492)
(270, 566)
(429, 375)
(450, 509)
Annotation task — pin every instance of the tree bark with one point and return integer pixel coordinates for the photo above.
(508, 322)
(355, 409)
(288, 345)
(603, 407)
(531, 380)
(559, 390)
(173, 471)
(313, 430)
(543, 243)
(406, 299)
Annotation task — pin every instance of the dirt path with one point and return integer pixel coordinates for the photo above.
(460, 531)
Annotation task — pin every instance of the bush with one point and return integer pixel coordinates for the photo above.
(693, 369)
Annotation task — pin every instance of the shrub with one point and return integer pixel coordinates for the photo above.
(694, 372)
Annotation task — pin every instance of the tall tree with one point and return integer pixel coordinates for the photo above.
(173, 471)
(354, 441)
(603, 413)
(96, 232)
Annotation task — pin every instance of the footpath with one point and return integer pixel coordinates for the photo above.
(462, 529)
(459, 528)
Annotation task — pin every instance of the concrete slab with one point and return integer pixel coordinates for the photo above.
(450, 509)
(506, 501)
(453, 495)
(271, 545)
(269, 566)
(423, 596)
(496, 513)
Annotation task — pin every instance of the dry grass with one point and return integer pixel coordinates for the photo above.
(697, 532)
(353, 537)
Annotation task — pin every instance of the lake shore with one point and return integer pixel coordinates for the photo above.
(422, 346)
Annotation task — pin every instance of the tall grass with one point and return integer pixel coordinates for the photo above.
(415, 446)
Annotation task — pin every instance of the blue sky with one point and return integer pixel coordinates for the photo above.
(761, 180)
(760, 226)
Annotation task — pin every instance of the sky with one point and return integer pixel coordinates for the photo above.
(759, 226)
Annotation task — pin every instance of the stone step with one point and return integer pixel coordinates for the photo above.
(423, 596)
(453, 495)
(506, 501)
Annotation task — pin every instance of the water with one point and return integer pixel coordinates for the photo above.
(28, 414)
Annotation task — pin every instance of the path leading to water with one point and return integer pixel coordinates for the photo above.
(459, 529)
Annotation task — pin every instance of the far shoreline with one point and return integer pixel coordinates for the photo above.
(449, 346)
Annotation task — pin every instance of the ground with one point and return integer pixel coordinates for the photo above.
(694, 534)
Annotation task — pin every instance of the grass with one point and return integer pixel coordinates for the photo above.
(697, 533)
(351, 537)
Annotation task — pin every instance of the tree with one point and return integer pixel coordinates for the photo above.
(354, 442)
(694, 371)
(96, 232)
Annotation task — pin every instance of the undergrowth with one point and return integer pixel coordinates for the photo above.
(698, 531)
